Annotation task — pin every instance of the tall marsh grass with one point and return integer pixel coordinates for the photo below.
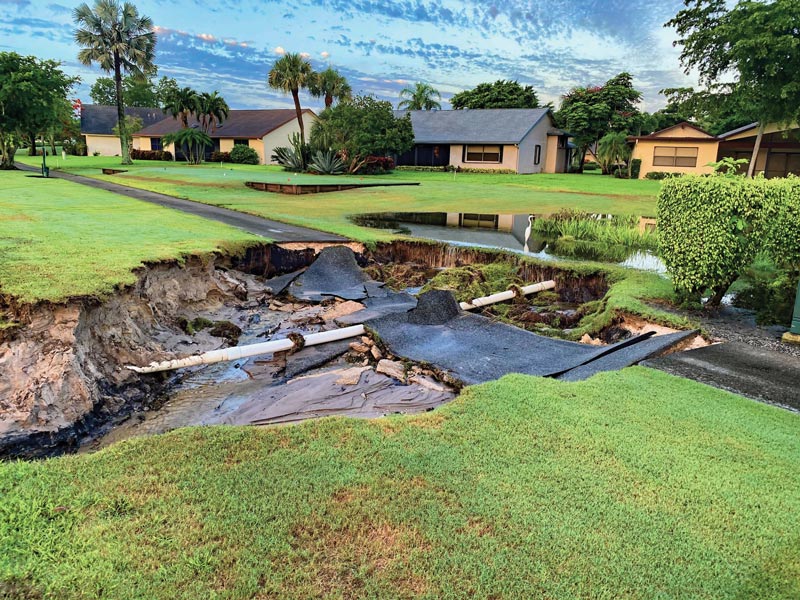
(617, 230)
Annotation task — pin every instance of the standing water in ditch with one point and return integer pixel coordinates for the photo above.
(568, 235)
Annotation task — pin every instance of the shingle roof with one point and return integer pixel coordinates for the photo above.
(722, 136)
(97, 119)
(657, 135)
(491, 125)
(240, 124)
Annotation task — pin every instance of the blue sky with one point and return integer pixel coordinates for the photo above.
(381, 47)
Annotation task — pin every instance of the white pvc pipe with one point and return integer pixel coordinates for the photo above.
(237, 352)
(507, 295)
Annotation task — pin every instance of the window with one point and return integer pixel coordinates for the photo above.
(675, 156)
(241, 142)
(155, 144)
(537, 154)
(486, 154)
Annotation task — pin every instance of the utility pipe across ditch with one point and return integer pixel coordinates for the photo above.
(313, 339)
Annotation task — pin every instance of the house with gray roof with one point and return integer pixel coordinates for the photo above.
(519, 139)
(98, 122)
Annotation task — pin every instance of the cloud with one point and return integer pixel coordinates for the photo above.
(279, 50)
(305, 55)
(325, 54)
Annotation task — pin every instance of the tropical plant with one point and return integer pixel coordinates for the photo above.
(613, 149)
(244, 155)
(121, 42)
(212, 110)
(294, 157)
(420, 97)
(329, 84)
(500, 94)
(361, 130)
(327, 163)
(192, 140)
(290, 74)
(182, 103)
(133, 125)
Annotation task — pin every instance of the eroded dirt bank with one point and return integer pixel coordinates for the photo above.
(62, 375)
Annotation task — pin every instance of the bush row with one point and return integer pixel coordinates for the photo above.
(660, 175)
(710, 229)
(151, 154)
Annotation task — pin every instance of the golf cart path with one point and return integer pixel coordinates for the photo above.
(274, 230)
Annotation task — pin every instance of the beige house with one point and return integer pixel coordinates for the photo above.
(682, 148)
(98, 123)
(779, 151)
(516, 139)
(263, 130)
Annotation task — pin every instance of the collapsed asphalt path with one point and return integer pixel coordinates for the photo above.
(274, 230)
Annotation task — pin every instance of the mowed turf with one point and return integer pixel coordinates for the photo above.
(438, 191)
(633, 484)
(59, 239)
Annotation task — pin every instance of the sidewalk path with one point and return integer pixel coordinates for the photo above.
(274, 230)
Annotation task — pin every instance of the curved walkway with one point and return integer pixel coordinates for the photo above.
(274, 230)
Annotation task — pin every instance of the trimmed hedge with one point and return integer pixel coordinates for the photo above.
(224, 157)
(244, 155)
(636, 167)
(659, 175)
(710, 229)
(151, 154)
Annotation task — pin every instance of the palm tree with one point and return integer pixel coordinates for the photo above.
(330, 85)
(119, 40)
(613, 149)
(212, 110)
(420, 97)
(190, 138)
(182, 103)
(291, 73)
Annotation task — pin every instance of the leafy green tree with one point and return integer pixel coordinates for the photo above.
(757, 42)
(182, 104)
(290, 74)
(329, 84)
(192, 140)
(133, 125)
(32, 96)
(212, 110)
(589, 113)
(500, 94)
(420, 97)
(165, 88)
(715, 111)
(137, 92)
(121, 42)
(362, 129)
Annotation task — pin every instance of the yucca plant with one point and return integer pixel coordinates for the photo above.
(327, 163)
(289, 159)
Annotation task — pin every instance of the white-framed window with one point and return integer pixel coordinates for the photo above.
(537, 154)
(675, 156)
(483, 154)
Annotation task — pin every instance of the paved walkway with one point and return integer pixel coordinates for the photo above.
(274, 230)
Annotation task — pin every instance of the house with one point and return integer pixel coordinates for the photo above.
(685, 148)
(779, 151)
(682, 148)
(263, 130)
(98, 123)
(518, 139)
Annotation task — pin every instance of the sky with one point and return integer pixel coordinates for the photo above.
(381, 47)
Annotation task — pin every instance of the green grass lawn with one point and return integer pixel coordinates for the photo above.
(60, 239)
(633, 484)
(461, 192)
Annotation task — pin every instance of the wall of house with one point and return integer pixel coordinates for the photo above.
(706, 153)
(527, 148)
(141, 143)
(225, 144)
(510, 158)
(106, 145)
(280, 136)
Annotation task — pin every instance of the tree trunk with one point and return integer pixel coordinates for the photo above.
(328, 100)
(32, 148)
(756, 148)
(7, 151)
(121, 125)
(296, 97)
(719, 292)
(583, 151)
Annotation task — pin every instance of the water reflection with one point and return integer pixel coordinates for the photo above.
(515, 233)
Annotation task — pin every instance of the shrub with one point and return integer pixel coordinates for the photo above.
(659, 175)
(74, 148)
(636, 167)
(244, 155)
(709, 231)
(327, 163)
(376, 164)
(590, 166)
(151, 154)
(224, 157)
(289, 159)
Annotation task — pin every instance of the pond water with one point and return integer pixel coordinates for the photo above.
(512, 232)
